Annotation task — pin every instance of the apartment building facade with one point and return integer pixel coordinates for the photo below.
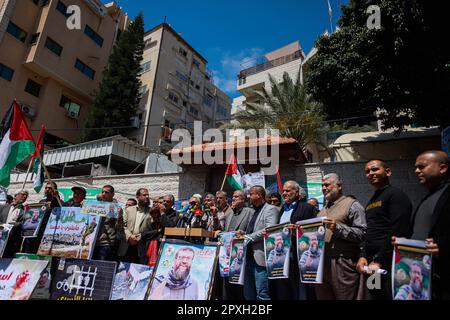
(177, 89)
(256, 77)
(51, 70)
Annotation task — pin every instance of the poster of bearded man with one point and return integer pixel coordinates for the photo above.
(277, 245)
(411, 270)
(184, 271)
(310, 249)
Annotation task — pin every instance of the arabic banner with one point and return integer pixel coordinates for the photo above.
(131, 281)
(104, 209)
(18, 277)
(83, 280)
(32, 220)
(411, 271)
(277, 244)
(70, 234)
(311, 249)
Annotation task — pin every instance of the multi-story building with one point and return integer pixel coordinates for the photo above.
(50, 69)
(177, 89)
(256, 77)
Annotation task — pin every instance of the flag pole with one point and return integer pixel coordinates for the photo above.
(223, 183)
(46, 171)
(28, 172)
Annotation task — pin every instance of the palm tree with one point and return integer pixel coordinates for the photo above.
(288, 108)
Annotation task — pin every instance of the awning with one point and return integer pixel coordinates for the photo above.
(123, 150)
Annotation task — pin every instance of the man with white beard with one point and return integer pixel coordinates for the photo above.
(414, 290)
(177, 284)
(310, 258)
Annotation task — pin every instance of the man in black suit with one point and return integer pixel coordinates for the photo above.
(431, 220)
(293, 210)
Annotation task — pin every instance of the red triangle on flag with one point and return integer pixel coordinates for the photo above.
(19, 127)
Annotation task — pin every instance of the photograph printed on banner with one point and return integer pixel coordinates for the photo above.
(277, 244)
(70, 234)
(19, 277)
(5, 230)
(104, 209)
(78, 280)
(42, 290)
(411, 271)
(32, 220)
(225, 239)
(237, 261)
(310, 249)
(131, 281)
(184, 271)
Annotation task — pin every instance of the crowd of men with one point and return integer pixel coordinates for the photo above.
(359, 238)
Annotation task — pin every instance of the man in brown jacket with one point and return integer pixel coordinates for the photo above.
(346, 226)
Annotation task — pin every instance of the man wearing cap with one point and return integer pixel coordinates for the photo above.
(79, 194)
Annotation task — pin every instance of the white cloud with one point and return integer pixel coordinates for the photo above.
(231, 64)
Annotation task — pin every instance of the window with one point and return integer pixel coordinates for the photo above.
(142, 90)
(53, 46)
(34, 38)
(182, 76)
(145, 67)
(33, 88)
(16, 32)
(93, 35)
(6, 72)
(208, 100)
(83, 68)
(61, 7)
(173, 98)
(193, 111)
(182, 52)
(184, 103)
(196, 63)
(69, 105)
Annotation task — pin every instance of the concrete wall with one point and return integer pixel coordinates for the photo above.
(355, 181)
(199, 179)
(181, 185)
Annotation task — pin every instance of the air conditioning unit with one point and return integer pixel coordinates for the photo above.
(28, 110)
(135, 122)
(72, 114)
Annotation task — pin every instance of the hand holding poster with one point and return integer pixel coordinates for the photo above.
(184, 271)
(131, 281)
(33, 219)
(5, 229)
(411, 271)
(225, 240)
(237, 261)
(310, 249)
(104, 209)
(277, 244)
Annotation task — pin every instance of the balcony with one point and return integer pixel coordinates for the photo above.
(268, 65)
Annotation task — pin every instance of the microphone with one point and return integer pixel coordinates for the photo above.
(370, 271)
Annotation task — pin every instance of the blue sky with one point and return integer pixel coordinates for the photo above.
(228, 32)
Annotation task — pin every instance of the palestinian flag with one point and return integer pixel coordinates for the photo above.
(16, 145)
(233, 175)
(37, 169)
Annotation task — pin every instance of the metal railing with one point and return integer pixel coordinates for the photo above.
(269, 65)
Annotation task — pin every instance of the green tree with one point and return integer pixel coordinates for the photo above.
(286, 107)
(118, 96)
(402, 69)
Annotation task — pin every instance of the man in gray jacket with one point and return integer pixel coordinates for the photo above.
(256, 284)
